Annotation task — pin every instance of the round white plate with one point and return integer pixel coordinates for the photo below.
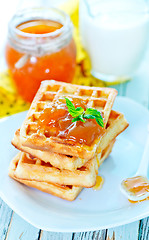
(92, 210)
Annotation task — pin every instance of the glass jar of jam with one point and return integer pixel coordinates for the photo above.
(40, 46)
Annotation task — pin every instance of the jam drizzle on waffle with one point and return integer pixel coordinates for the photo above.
(57, 121)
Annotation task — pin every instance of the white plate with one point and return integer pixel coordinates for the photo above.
(92, 210)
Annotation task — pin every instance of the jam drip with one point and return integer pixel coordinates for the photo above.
(56, 121)
(99, 183)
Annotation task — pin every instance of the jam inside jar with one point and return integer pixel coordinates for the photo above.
(40, 47)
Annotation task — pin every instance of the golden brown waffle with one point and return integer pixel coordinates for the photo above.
(106, 152)
(98, 98)
(58, 160)
(35, 169)
(66, 192)
(116, 124)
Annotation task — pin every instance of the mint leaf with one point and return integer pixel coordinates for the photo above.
(79, 118)
(88, 116)
(79, 114)
(92, 111)
(94, 114)
(100, 121)
(74, 112)
(71, 107)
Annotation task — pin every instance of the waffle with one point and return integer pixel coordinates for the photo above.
(58, 160)
(35, 169)
(116, 124)
(67, 192)
(105, 153)
(49, 92)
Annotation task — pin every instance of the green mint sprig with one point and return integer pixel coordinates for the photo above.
(79, 114)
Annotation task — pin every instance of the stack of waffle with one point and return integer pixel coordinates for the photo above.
(52, 164)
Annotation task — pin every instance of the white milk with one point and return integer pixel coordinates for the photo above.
(116, 37)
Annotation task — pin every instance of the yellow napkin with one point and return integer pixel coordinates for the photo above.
(11, 102)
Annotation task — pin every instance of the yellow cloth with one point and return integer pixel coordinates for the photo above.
(11, 102)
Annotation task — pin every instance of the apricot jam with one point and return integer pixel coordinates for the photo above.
(39, 26)
(40, 49)
(56, 121)
(137, 185)
(99, 183)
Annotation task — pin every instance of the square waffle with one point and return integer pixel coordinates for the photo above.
(58, 160)
(49, 92)
(67, 192)
(116, 124)
(105, 153)
(37, 170)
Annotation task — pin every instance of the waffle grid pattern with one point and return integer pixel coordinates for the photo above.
(50, 91)
(116, 124)
(37, 170)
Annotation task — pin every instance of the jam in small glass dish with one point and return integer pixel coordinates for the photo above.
(39, 47)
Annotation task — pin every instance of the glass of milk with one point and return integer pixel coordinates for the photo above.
(115, 35)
